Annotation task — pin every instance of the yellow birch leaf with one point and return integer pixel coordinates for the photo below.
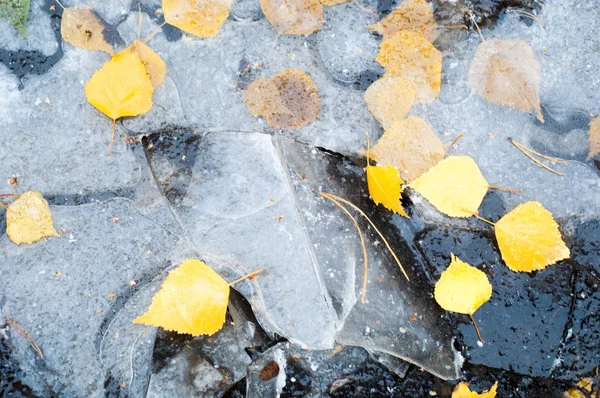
(594, 137)
(288, 100)
(412, 15)
(293, 17)
(411, 56)
(455, 186)
(411, 146)
(462, 390)
(389, 99)
(82, 28)
(28, 219)
(506, 72)
(155, 66)
(193, 300)
(385, 187)
(121, 87)
(201, 18)
(462, 288)
(529, 238)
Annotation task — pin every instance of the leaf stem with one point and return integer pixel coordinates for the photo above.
(12, 195)
(112, 140)
(362, 243)
(325, 194)
(250, 275)
(154, 32)
(483, 219)
(458, 137)
(5, 206)
(476, 328)
(505, 189)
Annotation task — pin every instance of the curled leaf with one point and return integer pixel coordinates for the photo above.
(199, 18)
(293, 17)
(411, 146)
(288, 100)
(462, 288)
(193, 299)
(155, 66)
(529, 238)
(121, 87)
(81, 27)
(412, 15)
(411, 56)
(385, 187)
(506, 72)
(28, 219)
(462, 390)
(455, 186)
(389, 99)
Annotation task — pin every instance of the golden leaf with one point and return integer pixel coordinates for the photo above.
(121, 87)
(506, 72)
(193, 299)
(155, 66)
(200, 18)
(462, 390)
(82, 28)
(412, 15)
(529, 238)
(594, 137)
(455, 186)
(28, 219)
(293, 17)
(462, 288)
(411, 56)
(411, 146)
(389, 99)
(288, 100)
(385, 187)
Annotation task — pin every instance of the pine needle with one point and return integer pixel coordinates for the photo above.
(526, 151)
(250, 275)
(24, 334)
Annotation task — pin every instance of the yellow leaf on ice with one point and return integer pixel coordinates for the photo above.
(411, 146)
(506, 72)
(594, 137)
(462, 390)
(385, 187)
(462, 288)
(288, 100)
(201, 18)
(121, 87)
(412, 15)
(293, 17)
(28, 219)
(82, 28)
(155, 66)
(529, 238)
(193, 300)
(389, 99)
(411, 56)
(455, 186)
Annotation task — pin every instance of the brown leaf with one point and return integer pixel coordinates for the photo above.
(409, 55)
(506, 72)
(412, 15)
(594, 137)
(411, 146)
(293, 17)
(389, 99)
(288, 100)
(82, 28)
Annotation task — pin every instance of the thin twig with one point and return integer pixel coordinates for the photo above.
(362, 243)
(325, 194)
(476, 328)
(250, 275)
(458, 137)
(139, 19)
(523, 13)
(525, 150)
(505, 189)
(21, 331)
(58, 2)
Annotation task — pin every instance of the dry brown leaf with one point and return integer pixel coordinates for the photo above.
(82, 28)
(594, 137)
(411, 146)
(288, 100)
(389, 99)
(506, 72)
(411, 56)
(155, 66)
(412, 15)
(293, 17)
